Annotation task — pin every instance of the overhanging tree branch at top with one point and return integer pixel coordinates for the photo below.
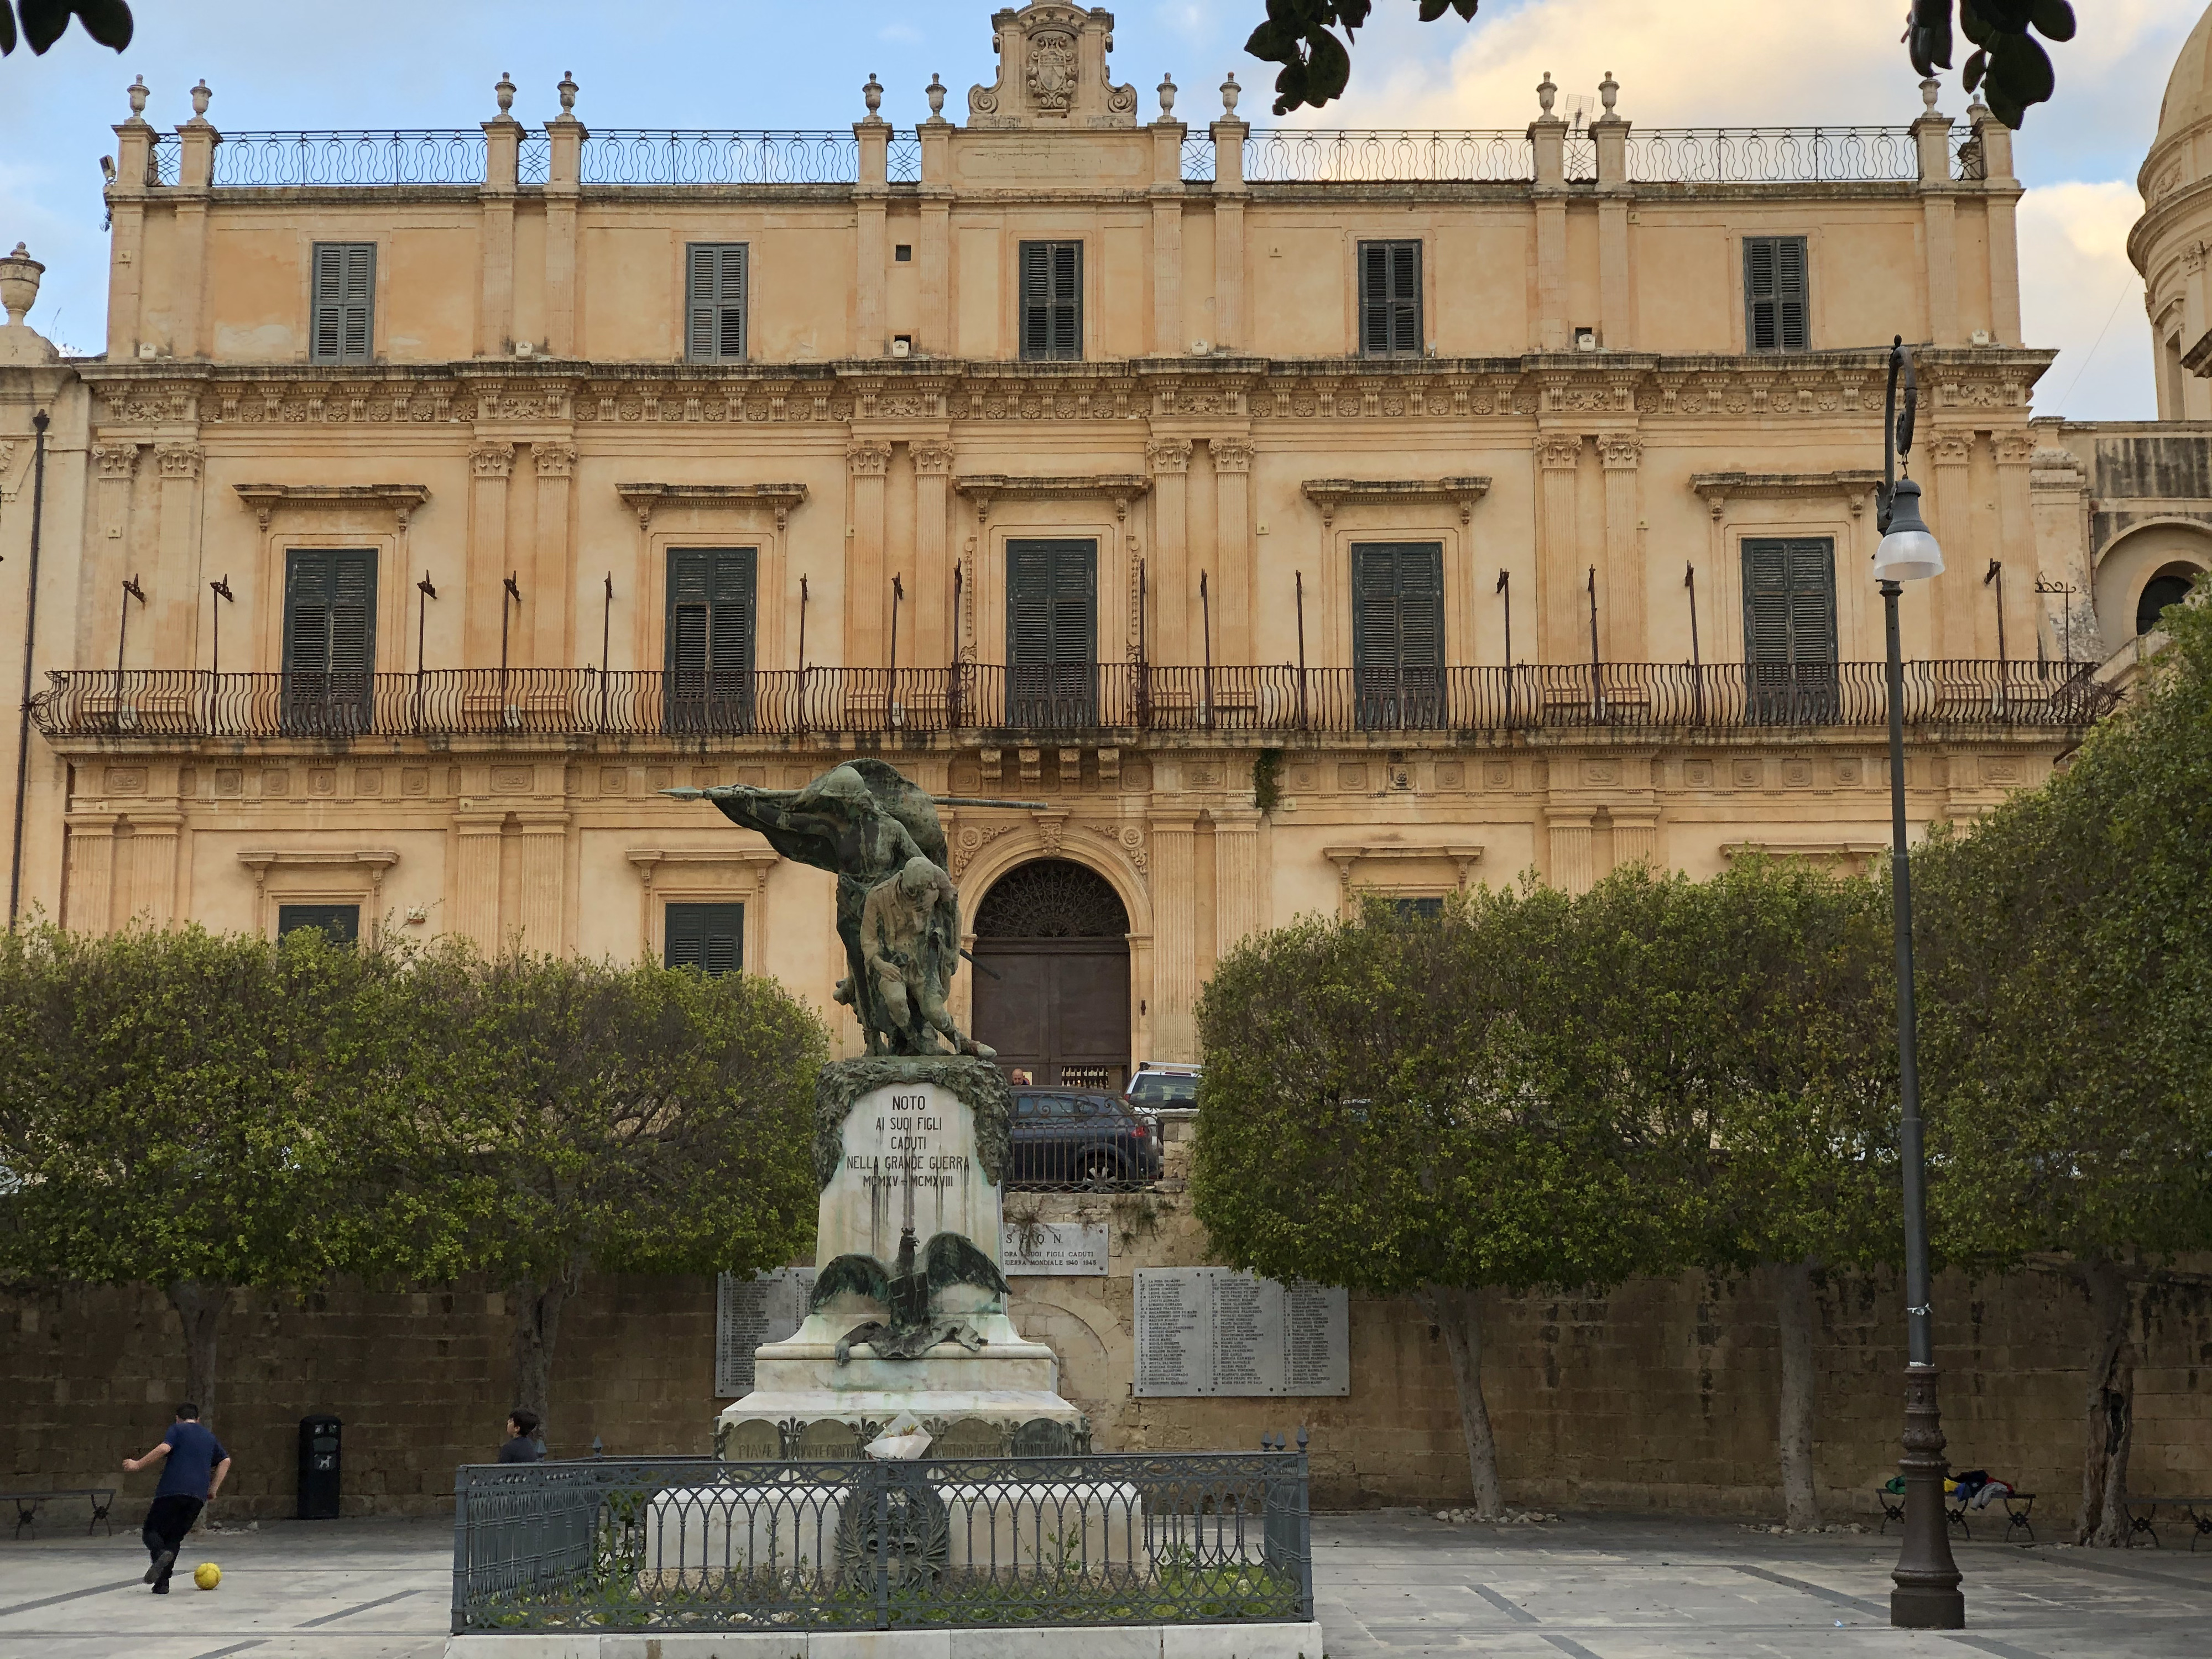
(45, 21)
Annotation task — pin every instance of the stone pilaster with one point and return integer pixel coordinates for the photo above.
(484, 600)
(1235, 599)
(88, 898)
(1562, 634)
(867, 587)
(472, 888)
(1175, 950)
(551, 625)
(1573, 859)
(1949, 510)
(1237, 889)
(934, 642)
(1623, 582)
(1173, 586)
(541, 849)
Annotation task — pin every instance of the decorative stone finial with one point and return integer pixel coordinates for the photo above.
(873, 94)
(1930, 89)
(19, 284)
(139, 92)
(201, 97)
(1167, 97)
(935, 92)
(1609, 91)
(503, 89)
(1546, 90)
(568, 90)
(1229, 93)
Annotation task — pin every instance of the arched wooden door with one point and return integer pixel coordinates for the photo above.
(1052, 976)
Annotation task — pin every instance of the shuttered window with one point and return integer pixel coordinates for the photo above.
(330, 638)
(344, 302)
(708, 937)
(1051, 300)
(1398, 632)
(1052, 638)
(1789, 628)
(715, 302)
(1774, 294)
(709, 643)
(1390, 300)
(340, 922)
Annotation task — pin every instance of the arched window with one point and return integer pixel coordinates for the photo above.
(1051, 898)
(2170, 586)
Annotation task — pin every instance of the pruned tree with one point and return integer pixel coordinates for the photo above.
(166, 1115)
(553, 1116)
(2065, 944)
(1380, 1110)
(1748, 1019)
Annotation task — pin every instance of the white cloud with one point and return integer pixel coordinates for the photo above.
(2079, 292)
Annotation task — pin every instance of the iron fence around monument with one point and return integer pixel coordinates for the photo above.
(668, 1545)
(1067, 699)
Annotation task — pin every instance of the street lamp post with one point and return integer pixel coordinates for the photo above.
(1927, 1596)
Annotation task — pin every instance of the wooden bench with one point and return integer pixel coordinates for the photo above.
(2197, 1512)
(28, 1503)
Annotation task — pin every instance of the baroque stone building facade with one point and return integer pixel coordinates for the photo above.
(1286, 515)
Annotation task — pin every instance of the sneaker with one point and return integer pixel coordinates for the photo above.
(160, 1568)
(161, 1589)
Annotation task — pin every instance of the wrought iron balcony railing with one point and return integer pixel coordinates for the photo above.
(1060, 700)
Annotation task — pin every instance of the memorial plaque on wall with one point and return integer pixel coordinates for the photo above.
(1205, 1331)
(750, 1312)
(1065, 1249)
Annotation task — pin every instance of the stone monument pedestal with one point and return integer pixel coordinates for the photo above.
(905, 1146)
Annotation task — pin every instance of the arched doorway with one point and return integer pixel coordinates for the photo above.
(2170, 586)
(1052, 976)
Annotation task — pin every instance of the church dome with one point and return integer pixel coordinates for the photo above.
(2189, 89)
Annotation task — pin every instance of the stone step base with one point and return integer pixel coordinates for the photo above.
(1282, 1641)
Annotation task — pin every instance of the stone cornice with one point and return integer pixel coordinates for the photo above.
(266, 499)
(1719, 489)
(1332, 494)
(985, 488)
(644, 498)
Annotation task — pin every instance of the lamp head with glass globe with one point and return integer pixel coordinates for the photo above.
(1908, 552)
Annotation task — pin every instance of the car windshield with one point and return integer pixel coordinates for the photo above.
(1163, 1089)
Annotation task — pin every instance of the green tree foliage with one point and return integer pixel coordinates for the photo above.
(2065, 945)
(546, 1116)
(1748, 1022)
(45, 21)
(1380, 1110)
(166, 1114)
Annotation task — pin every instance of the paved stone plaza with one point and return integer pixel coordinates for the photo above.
(1394, 1583)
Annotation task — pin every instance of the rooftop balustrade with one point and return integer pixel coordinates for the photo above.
(1064, 701)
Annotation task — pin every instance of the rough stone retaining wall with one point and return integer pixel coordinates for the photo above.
(1657, 1395)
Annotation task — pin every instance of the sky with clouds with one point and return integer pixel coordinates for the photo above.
(288, 65)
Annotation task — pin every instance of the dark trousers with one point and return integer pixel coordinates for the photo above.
(166, 1523)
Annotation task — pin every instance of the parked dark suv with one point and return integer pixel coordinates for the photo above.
(1064, 1138)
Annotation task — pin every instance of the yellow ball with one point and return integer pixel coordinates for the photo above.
(207, 1575)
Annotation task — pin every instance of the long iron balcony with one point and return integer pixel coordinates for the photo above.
(1062, 701)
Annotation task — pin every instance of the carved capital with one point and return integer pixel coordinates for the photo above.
(868, 460)
(1230, 455)
(179, 460)
(1950, 448)
(116, 460)
(553, 460)
(2193, 257)
(1168, 454)
(2015, 448)
(1558, 451)
(933, 459)
(1620, 451)
(492, 460)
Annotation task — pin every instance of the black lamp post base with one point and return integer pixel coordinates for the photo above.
(1928, 1609)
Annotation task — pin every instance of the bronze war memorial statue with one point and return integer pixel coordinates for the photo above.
(911, 1142)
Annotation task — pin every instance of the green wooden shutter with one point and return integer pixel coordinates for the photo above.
(710, 633)
(1390, 299)
(1398, 632)
(344, 280)
(1051, 276)
(1052, 616)
(715, 302)
(330, 636)
(340, 922)
(1790, 644)
(1776, 293)
(708, 937)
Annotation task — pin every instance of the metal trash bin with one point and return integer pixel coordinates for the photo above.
(319, 1468)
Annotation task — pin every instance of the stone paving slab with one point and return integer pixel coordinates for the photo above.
(1391, 1585)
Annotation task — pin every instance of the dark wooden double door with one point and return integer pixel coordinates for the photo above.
(1052, 976)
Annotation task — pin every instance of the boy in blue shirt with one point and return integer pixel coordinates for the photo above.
(195, 1465)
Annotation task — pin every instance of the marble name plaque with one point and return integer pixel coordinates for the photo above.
(908, 1151)
(750, 1313)
(1068, 1249)
(1209, 1331)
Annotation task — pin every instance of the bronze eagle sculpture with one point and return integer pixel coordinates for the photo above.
(907, 1289)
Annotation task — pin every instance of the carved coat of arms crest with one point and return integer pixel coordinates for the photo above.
(1052, 70)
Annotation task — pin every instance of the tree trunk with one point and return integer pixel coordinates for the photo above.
(2111, 1406)
(199, 1305)
(537, 1326)
(1794, 1316)
(1454, 1312)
